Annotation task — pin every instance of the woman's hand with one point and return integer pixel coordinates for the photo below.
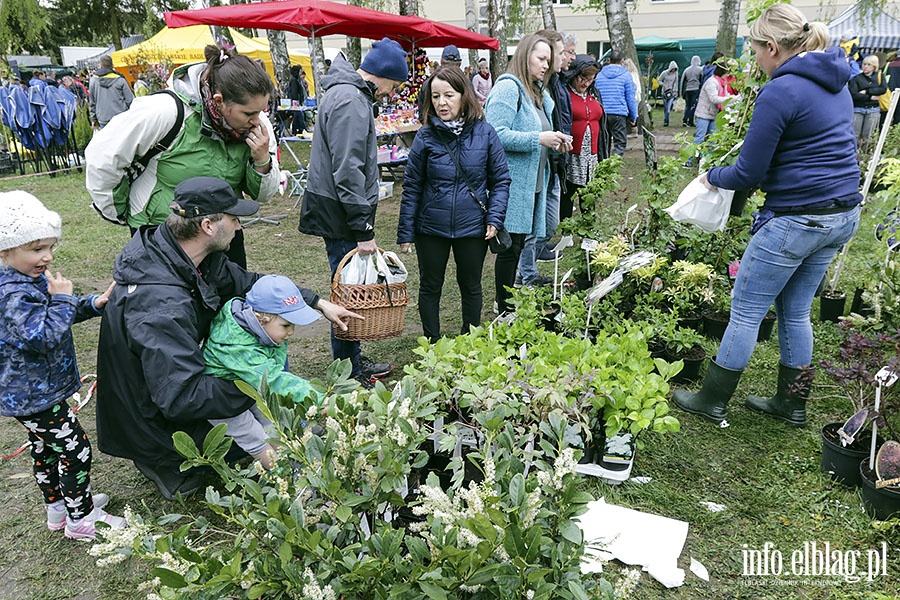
(706, 182)
(406, 248)
(555, 140)
(491, 232)
(258, 141)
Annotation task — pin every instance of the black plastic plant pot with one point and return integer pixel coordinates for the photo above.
(692, 365)
(766, 327)
(694, 322)
(860, 306)
(715, 324)
(831, 306)
(880, 503)
(739, 202)
(842, 462)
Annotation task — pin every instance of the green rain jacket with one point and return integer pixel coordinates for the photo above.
(231, 352)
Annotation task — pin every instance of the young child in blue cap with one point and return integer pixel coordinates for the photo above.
(248, 339)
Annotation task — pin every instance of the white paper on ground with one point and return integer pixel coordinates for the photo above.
(713, 507)
(635, 538)
(641, 479)
(698, 569)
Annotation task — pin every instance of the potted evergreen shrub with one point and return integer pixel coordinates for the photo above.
(851, 376)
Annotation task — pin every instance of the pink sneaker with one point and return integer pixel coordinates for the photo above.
(84, 529)
(56, 519)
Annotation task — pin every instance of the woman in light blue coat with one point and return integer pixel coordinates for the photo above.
(520, 108)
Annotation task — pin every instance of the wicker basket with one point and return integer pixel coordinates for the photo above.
(383, 305)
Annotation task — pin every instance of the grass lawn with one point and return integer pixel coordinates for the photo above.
(765, 474)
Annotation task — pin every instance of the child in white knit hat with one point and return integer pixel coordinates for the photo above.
(37, 363)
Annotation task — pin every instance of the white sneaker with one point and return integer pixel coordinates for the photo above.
(84, 529)
(56, 518)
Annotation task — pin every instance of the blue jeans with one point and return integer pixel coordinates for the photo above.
(336, 250)
(783, 264)
(667, 108)
(535, 246)
(704, 128)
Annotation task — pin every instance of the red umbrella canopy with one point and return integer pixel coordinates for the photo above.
(312, 18)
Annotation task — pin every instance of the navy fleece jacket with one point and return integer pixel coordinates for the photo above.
(800, 148)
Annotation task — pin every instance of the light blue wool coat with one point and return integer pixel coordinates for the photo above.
(515, 118)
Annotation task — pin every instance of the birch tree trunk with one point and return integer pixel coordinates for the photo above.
(726, 40)
(409, 7)
(497, 29)
(472, 25)
(547, 14)
(281, 62)
(622, 39)
(354, 47)
(317, 58)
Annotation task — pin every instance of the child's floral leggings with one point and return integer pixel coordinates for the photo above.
(62, 458)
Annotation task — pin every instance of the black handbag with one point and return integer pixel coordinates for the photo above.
(502, 241)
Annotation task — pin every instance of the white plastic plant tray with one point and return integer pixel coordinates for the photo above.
(613, 476)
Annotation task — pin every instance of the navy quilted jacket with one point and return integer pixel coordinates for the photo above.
(436, 200)
(37, 354)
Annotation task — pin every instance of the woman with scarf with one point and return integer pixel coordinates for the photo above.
(223, 133)
(454, 195)
(590, 138)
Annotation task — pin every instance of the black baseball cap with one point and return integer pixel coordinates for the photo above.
(201, 196)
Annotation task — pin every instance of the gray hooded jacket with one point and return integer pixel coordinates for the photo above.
(110, 95)
(342, 186)
(690, 80)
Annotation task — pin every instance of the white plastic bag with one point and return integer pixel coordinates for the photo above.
(700, 206)
(360, 270)
(395, 269)
(381, 267)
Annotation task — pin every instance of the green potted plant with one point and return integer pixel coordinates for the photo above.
(686, 345)
(688, 290)
(323, 523)
(850, 375)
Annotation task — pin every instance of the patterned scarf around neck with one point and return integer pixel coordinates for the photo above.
(216, 120)
(455, 126)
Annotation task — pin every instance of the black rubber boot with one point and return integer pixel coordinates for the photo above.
(789, 402)
(711, 402)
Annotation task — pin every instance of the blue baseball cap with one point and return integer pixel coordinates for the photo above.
(277, 295)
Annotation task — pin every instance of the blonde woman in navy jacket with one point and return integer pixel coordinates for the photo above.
(520, 109)
(801, 151)
(439, 212)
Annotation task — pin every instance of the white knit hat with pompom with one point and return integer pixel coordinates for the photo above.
(24, 219)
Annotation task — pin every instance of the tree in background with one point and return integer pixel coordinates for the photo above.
(726, 39)
(23, 25)
(547, 14)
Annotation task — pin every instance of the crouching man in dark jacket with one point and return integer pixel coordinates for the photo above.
(171, 281)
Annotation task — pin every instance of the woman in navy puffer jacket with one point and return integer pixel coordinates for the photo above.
(439, 212)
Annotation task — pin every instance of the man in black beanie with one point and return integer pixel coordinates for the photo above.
(342, 185)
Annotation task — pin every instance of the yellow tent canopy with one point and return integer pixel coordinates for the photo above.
(185, 45)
